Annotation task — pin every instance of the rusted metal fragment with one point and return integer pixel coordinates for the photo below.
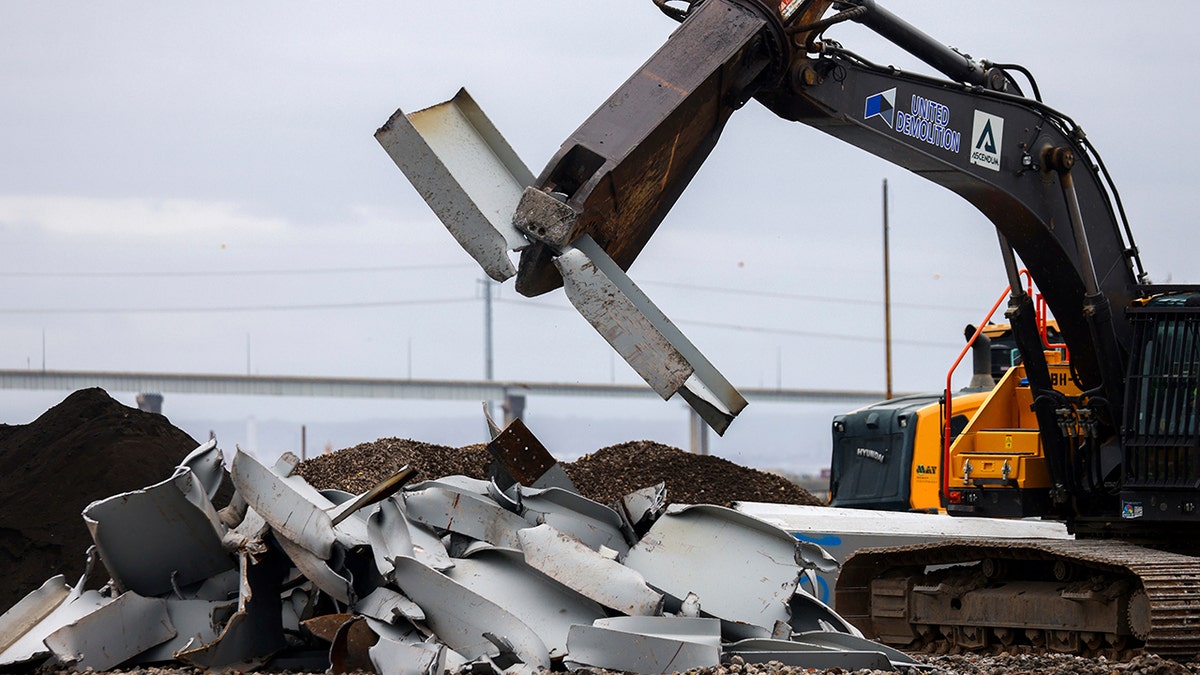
(589, 521)
(525, 459)
(750, 568)
(208, 466)
(646, 644)
(348, 650)
(380, 491)
(467, 173)
(255, 631)
(638, 330)
(627, 164)
(541, 603)
(292, 506)
(153, 539)
(476, 516)
(588, 573)
(460, 617)
(350, 530)
(114, 633)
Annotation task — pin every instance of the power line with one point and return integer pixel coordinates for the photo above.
(230, 309)
(755, 329)
(800, 296)
(230, 273)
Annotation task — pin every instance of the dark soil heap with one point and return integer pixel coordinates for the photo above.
(86, 448)
(604, 475)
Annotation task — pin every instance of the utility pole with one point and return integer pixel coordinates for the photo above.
(887, 297)
(487, 335)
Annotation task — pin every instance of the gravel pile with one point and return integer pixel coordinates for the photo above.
(604, 475)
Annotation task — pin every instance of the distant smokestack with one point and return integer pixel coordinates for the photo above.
(150, 403)
(981, 359)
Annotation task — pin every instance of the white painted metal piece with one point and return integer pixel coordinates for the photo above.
(546, 606)
(29, 612)
(660, 353)
(810, 656)
(406, 657)
(196, 622)
(589, 521)
(292, 507)
(254, 632)
(476, 516)
(208, 466)
(114, 633)
(845, 641)
(467, 173)
(387, 532)
(841, 531)
(646, 644)
(318, 570)
(810, 614)
(163, 535)
(31, 645)
(749, 568)
(460, 616)
(389, 606)
(589, 573)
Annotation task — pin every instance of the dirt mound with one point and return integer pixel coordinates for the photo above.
(605, 475)
(86, 448)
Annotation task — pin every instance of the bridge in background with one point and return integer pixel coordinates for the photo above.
(152, 386)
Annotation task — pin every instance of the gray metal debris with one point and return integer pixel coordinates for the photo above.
(480, 189)
(571, 563)
(646, 644)
(638, 330)
(467, 173)
(177, 516)
(447, 575)
(114, 633)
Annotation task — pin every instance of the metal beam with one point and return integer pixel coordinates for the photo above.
(349, 387)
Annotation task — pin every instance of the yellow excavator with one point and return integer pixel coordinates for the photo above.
(1118, 425)
(893, 455)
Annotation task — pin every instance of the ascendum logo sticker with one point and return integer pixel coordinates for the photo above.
(881, 105)
(987, 137)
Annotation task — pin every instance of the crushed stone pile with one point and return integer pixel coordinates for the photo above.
(604, 476)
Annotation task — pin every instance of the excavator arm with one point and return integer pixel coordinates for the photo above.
(1028, 168)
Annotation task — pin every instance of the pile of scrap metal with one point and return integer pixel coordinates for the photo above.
(453, 574)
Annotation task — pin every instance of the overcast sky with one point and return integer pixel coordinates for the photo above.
(194, 187)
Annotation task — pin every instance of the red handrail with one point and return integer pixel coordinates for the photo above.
(948, 414)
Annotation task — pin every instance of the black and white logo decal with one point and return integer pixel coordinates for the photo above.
(987, 137)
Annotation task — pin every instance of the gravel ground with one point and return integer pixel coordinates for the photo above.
(1004, 664)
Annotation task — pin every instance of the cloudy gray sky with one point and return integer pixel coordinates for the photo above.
(194, 187)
